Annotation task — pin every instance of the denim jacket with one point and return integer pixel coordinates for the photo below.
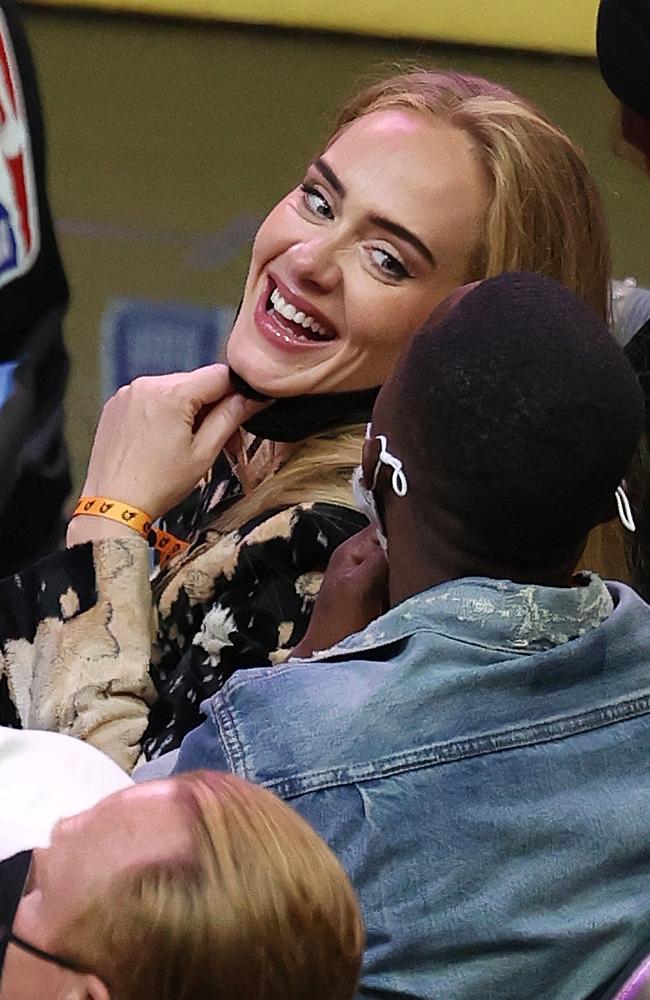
(479, 758)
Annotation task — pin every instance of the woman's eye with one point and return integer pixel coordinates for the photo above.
(316, 202)
(388, 264)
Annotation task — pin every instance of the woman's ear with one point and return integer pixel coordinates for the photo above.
(94, 989)
(84, 986)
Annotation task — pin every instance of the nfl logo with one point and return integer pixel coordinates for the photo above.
(19, 230)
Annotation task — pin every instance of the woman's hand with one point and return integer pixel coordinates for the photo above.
(157, 438)
(353, 593)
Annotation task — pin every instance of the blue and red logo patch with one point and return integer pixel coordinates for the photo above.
(19, 227)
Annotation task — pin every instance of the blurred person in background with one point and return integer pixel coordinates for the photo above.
(204, 887)
(429, 179)
(623, 44)
(34, 477)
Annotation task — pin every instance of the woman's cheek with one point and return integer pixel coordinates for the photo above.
(276, 233)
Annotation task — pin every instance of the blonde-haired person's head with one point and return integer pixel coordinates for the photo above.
(545, 213)
(232, 896)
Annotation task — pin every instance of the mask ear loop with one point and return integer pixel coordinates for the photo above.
(398, 480)
(624, 509)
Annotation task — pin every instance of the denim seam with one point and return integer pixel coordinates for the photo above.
(457, 750)
(335, 653)
(227, 729)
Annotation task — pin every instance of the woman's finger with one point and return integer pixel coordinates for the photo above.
(220, 423)
(206, 385)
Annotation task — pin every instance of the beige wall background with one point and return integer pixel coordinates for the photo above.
(554, 26)
(164, 134)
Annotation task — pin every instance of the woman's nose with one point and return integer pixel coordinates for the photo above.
(315, 264)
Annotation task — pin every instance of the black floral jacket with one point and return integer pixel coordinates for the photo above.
(87, 652)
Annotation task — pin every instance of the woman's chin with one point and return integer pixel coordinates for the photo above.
(272, 387)
(272, 381)
(268, 378)
(275, 389)
(266, 370)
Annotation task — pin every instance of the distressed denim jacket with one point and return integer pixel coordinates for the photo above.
(479, 758)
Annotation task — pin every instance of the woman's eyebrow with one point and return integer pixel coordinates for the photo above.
(403, 234)
(330, 176)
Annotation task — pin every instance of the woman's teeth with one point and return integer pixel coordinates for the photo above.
(288, 311)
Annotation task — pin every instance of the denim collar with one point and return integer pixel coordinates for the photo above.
(497, 614)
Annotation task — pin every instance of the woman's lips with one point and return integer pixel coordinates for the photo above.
(298, 328)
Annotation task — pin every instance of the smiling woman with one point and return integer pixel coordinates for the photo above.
(429, 180)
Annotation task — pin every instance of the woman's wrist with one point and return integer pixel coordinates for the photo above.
(84, 528)
(116, 519)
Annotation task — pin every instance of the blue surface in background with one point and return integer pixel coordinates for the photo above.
(7, 371)
(141, 337)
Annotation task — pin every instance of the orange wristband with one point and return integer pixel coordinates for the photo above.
(166, 545)
(115, 510)
(163, 542)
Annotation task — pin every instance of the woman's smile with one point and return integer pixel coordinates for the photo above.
(289, 322)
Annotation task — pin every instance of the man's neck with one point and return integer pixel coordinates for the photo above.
(412, 570)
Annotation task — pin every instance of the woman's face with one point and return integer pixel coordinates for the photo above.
(352, 261)
(86, 852)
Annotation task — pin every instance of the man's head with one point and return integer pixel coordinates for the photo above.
(515, 416)
(202, 886)
(623, 43)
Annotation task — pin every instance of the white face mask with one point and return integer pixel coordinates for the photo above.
(624, 509)
(364, 497)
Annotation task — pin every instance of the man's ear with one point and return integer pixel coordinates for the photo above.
(84, 986)
(369, 459)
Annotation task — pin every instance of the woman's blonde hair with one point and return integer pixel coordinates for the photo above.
(319, 470)
(544, 215)
(260, 907)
